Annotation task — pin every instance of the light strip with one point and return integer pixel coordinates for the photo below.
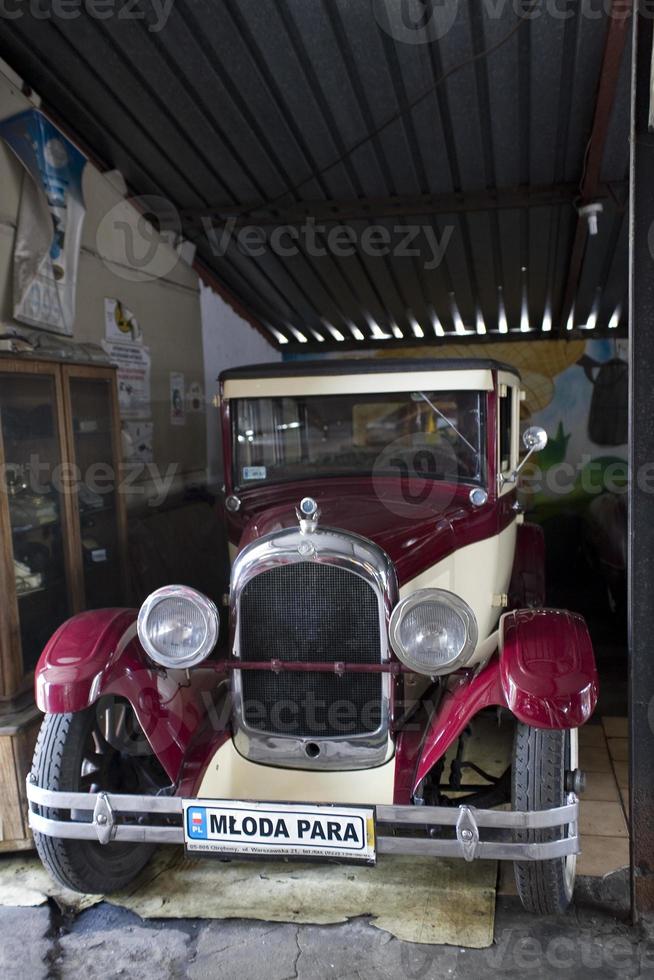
(299, 336)
(279, 337)
(524, 312)
(614, 322)
(459, 325)
(336, 334)
(438, 326)
(415, 326)
(502, 323)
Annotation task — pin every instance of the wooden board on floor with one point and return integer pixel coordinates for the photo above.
(17, 739)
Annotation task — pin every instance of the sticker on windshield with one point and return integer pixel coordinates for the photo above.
(254, 472)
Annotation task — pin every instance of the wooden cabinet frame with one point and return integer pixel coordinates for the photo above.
(13, 681)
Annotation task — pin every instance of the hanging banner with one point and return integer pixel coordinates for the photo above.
(50, 219)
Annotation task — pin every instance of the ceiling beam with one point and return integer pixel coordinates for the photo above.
(389, 207)
(590, 188)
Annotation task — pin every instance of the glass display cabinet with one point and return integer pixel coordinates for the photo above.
(62, 519)
(63, 535)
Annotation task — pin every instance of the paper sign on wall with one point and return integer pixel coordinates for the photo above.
(195, 397)
(133, 363)
(177, 399)
(137, 442)
(120, 324)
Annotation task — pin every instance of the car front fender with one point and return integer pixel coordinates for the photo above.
(98, 653)
(544, 673)
(547, 668)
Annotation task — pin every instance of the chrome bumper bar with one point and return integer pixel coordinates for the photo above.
(103, 812)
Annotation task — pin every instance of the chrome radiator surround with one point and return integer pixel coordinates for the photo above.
(358, 556)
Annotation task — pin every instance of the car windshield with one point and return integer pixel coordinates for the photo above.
(422, 434)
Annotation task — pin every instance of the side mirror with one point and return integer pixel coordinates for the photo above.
(534, 440)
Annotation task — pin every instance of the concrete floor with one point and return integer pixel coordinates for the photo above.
(594, 940)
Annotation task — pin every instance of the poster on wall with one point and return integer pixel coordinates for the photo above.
(195, 397)
(177, 399)
(50, 218)
(120, 324)
(137, 442)
(133, 363)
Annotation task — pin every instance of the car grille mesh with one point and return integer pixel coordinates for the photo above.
(310, 612)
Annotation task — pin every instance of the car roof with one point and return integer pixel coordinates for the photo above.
(382, 365)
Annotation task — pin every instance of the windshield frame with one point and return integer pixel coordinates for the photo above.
(240, 486)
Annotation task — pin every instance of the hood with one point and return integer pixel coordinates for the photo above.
(415, 532)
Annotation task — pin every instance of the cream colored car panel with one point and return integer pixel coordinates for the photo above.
(476, 573)
(231, 777)
(355, 384)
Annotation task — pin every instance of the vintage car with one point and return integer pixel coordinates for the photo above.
(385, 591)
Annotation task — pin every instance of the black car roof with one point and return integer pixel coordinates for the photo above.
(382, 365)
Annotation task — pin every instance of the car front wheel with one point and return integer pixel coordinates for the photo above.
(542, 762)
(102, 748)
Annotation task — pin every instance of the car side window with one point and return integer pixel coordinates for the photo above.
(505, 427)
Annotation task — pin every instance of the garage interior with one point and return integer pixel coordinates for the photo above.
(289, 181)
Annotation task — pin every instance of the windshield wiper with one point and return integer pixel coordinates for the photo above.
(447, 421)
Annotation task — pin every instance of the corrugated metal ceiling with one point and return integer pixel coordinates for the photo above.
(257, 112)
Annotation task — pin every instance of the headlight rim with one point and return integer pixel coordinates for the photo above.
(210, 614)
(447, 598)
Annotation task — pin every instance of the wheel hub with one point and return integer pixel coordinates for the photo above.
(575, 781)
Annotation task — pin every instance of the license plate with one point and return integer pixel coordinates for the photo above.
(280, 829)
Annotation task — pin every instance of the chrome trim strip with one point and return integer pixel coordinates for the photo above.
(485, 850)
(448, 816)
(358, 556)
(467, 821)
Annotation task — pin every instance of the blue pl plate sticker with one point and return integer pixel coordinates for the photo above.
(197, 823)
(254, 472)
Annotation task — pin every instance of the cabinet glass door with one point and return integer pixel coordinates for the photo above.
(34, 485)
(92, 410)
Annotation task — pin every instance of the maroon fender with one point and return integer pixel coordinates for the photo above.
(547, 666)
(98, 653)
(467, 695)
(545, 674)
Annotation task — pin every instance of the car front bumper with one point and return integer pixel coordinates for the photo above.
(104, 814)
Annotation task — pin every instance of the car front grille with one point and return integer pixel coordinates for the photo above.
(310, 612)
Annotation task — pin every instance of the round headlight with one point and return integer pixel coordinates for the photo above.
(433, 631)
(177, 626)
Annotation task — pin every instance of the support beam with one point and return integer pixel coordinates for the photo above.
(641, 457)
(393, 207)
(619, 19)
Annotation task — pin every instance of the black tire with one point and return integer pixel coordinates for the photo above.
(540, 761)
(83, 866)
